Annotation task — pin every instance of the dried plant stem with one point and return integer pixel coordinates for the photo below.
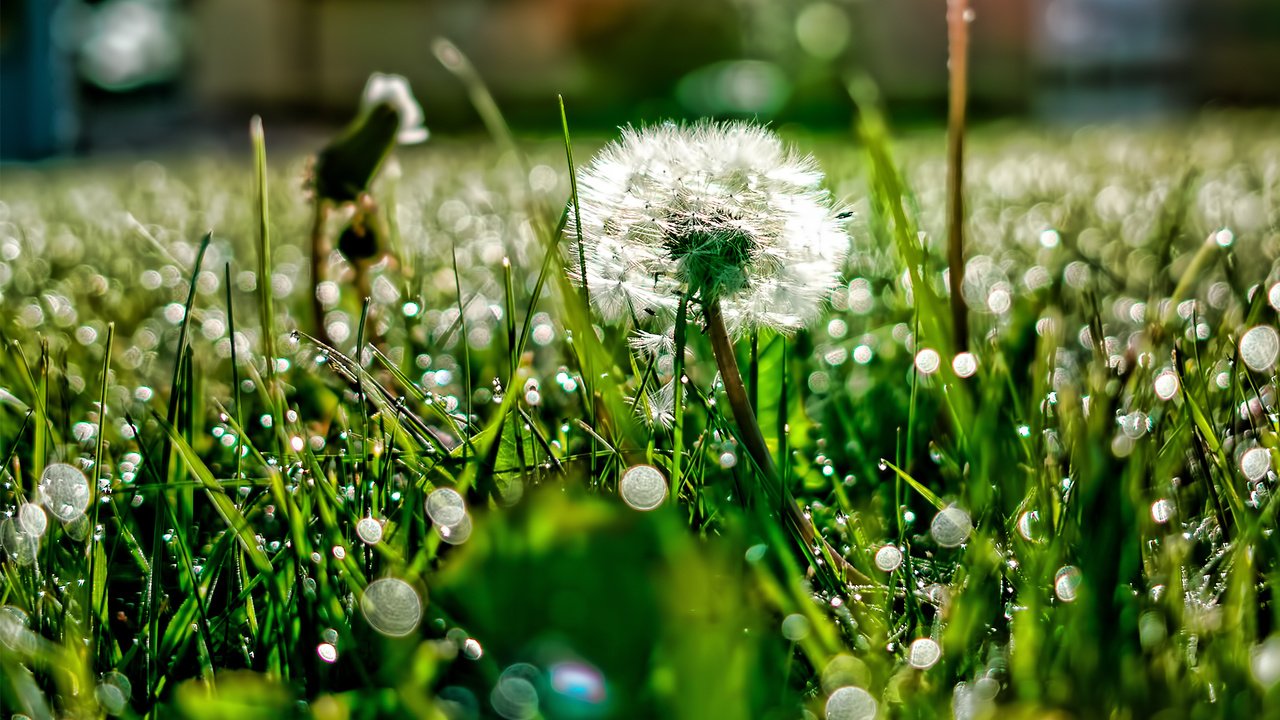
(958, 68)
(319, 265)
(751, 436)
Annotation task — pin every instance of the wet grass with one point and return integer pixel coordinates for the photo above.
(1077, 520)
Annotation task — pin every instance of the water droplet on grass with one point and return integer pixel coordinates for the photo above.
(928, 361)
(327, 652)
(32, 520)
(643, 487)
(471, 649)
(14, 634)
(391, 606)
(888, 558)
(446, 507)
(369, 530)
(64, 490)
(1066, 583)
(795, 627)
(951, 527)
(21, 545)
(1264, 661)
(1166, 385)
(965, 364)
(456, 534)
(1259, 348)
(110, 699)
(851, 703)
(515, 697)
(1162, 510)
(924, 653)
(1255, 463)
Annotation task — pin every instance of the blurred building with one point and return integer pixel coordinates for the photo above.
(163, 71)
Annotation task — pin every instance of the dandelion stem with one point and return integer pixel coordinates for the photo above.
(958, 64)
(319, 268)
(752, 437)
(677, 390)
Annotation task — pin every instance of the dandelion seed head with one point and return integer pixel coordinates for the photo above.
(719, 210)
(395, 89)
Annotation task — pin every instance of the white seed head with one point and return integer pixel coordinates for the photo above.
(395, 90)
(718, 210)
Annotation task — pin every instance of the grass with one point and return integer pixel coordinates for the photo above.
(1104, 447)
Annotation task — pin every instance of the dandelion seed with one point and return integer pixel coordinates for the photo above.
(721, 210)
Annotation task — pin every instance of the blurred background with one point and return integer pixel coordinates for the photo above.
(94, 76)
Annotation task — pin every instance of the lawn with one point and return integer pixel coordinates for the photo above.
(466, 497)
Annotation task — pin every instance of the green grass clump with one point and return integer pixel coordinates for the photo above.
(1077, 520)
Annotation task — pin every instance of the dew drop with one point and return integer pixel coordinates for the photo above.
(1066, 583)
(928, 361)
(888, 558)
(795, 627)
(446, 507)
(369, 530)
(64, 490)
(391, 606)
(965, 364)
(1259, 348)
(110, 699)
(32, 520)
(951, 527)
(1166, 385)
(851, 703)
(327, 652)
(923, 653)
(1255, 463)
(457, 533)
(643, 487)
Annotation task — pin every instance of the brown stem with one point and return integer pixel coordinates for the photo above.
(319, 266)
(751, 436)
(958, 67)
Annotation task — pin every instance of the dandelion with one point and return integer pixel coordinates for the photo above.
(714, 211)
(718, 214)
(394, 89)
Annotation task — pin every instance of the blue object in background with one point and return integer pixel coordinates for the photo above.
(38, 116)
